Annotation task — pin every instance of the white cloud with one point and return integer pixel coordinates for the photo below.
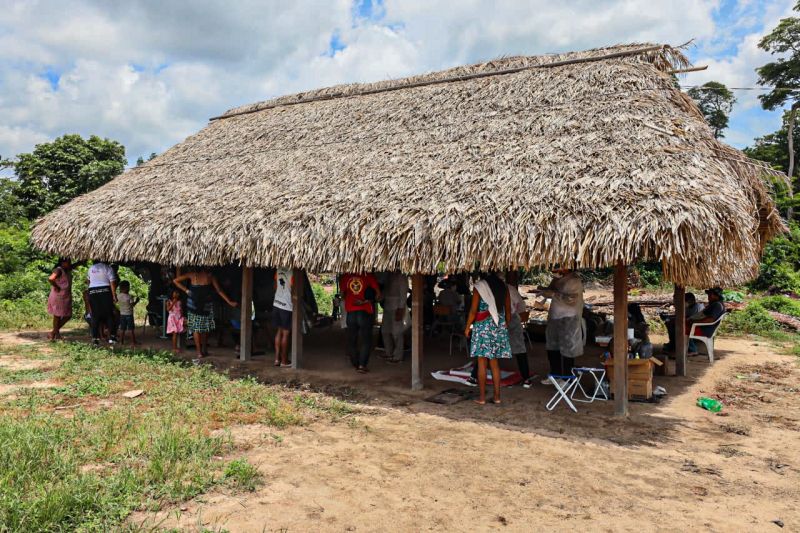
(150, 72)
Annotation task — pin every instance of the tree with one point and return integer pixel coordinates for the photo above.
(58, 171)
(10, 209)
(784, 77)
(773, 149)
(716, 101)
(140, 160)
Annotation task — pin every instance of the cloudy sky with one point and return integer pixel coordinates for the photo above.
(150, 72)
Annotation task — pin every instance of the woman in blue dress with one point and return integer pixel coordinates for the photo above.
(489, 313)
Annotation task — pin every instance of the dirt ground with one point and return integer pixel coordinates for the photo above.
(403, 464)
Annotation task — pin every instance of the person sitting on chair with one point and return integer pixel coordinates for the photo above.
(710, 314)
(692, 308)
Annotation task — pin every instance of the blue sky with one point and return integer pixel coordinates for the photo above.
(151, 73)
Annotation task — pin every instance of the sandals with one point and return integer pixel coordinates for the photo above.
(496, 402)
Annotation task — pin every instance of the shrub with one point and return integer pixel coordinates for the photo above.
(324, 299)
(650, 274)
(733, 296)
(781, 304)
(24, 313)
(780, 263)
(753, 320)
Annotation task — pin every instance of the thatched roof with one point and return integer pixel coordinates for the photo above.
(518, 162)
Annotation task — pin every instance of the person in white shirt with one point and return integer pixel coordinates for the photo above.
(102, 297)
(282, 315)
(564, 333)
(126, 304)
(395, 296)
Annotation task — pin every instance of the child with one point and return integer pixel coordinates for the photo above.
(175, 320)
(126, 304)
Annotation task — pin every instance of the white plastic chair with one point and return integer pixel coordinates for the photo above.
(707, 341)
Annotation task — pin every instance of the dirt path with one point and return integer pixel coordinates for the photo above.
(670, 467)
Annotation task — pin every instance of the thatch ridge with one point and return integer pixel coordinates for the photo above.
(662, 57)
(582, 164)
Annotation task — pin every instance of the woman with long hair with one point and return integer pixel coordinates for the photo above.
(489, 314)
(200, 315)
(59, 302)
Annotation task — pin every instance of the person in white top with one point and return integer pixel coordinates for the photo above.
(282, 315)
(126, 304)
(564, 333)
(102, 297)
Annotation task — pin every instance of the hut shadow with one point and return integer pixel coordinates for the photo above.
(326, 370)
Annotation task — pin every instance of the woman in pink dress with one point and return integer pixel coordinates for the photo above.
(59, 303)
(175, 321)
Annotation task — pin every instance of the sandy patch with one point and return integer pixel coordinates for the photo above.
(420, 466)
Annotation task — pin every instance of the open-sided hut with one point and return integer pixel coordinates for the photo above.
(586, 159)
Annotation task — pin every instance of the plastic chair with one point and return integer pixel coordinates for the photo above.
(696, 334)
(462, 341)
(443, 317)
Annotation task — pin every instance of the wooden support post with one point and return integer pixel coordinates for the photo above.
(246, 330)
(417, 284)
(620, 340)
(680, 330)
(297, 317)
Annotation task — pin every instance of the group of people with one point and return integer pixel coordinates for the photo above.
(109, 305)
(493, 321)
(496, 331)
(695, 315)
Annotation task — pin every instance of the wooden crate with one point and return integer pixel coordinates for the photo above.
(640, 388)
(640, 377)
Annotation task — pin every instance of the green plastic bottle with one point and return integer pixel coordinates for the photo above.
(709, 404)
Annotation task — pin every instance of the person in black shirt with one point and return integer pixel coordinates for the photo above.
(708, 315)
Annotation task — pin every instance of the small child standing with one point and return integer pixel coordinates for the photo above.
(126, 304)
(175, 321)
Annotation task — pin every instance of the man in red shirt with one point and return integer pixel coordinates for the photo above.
(361, 292)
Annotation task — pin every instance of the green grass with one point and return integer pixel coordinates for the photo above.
(242, 475)
(80, 457)
(21, 376)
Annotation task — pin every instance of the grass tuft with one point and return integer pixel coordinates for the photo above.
(242, 475)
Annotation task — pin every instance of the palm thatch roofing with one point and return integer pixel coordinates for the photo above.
(578, 159)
